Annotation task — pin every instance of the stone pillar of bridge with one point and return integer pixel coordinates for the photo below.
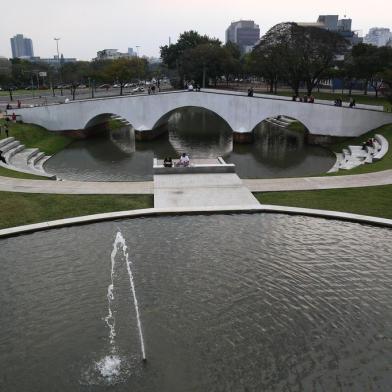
(243, 137)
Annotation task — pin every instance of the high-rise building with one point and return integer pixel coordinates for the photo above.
(21, 47)
(378, 36)
(244, 33)
(329, 21)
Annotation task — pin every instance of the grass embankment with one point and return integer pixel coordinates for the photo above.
(372, 201)
(33, 136)
(25, 208)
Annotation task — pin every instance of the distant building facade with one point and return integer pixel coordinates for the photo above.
(21, 47)
(378, 36)
(54, 61)
(113, 54)
(341, 26)
(244, 33)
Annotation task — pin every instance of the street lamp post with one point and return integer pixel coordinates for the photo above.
(58, 63)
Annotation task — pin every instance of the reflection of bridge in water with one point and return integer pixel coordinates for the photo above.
(147, 112)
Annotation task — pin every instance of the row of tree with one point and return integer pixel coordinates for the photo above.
(288, 53)
(25, 73)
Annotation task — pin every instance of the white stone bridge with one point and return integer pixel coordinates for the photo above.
(241, 113)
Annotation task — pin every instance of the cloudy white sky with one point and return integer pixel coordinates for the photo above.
(86, 26)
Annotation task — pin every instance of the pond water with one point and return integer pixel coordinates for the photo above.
(262, 302)
(115, 156)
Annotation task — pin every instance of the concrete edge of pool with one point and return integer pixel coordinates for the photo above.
(150, 212)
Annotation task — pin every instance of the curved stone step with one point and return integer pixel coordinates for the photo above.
(9, 146)
(35, 158)
(9, 154)
(6, 141)
(39, 165)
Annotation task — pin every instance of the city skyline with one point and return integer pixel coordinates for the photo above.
(95, 25)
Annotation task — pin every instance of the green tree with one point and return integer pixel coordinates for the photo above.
(124, 70)
(173, 55)
(301, 54)
(370, 62)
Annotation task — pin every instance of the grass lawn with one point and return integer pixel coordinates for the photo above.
(35, 136)
(25, 208)
(373, 201)
(15, 174)
(18, 93)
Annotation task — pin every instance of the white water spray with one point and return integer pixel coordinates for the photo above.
(119, 242)
(121, 239)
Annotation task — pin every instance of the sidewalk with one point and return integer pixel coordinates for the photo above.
(9, 184)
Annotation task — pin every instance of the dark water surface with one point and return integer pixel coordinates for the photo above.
(227, 303)
(115, 156)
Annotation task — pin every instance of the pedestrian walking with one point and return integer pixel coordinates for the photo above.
(19, 104)
(6, 130)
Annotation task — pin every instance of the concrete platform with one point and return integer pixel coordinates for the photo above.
(201, 190)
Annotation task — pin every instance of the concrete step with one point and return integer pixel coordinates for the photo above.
(35, 158)
(5, 141)
(40, 164)
(335, 167)
(9, 154)
(9, 146)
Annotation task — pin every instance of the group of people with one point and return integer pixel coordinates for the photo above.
(152, 89)
(9, 106)
(184, 161)
(368, 143)
(339, 102)
(305, 98)
(191, 86)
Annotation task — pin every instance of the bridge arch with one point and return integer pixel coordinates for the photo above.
(162, 120)
(103, 118)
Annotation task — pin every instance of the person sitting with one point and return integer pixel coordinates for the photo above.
(167, 162)
(311, 99)
(190, 87)
(184, 160)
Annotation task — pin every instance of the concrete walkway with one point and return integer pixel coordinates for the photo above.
(201, 190)
(75, 187)
(147, 187)
(314, 183)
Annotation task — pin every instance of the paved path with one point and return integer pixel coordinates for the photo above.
(314, 183)
(75, 187)
(201, 190)
(147, 187)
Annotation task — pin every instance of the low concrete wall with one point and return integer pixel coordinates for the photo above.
(150, 212)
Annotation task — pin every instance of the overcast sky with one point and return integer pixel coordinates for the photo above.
(86, 26)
